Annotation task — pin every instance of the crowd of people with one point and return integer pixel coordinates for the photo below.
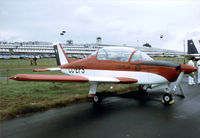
(192, 79)
(33, 60)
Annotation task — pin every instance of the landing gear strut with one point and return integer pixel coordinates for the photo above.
(143, 88)
(94, 95)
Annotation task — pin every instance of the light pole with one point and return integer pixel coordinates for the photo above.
(184, 50)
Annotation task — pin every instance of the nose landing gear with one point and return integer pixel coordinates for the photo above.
(167, 99)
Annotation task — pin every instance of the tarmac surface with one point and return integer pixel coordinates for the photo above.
(132, 115)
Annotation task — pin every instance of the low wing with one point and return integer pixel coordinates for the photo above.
(66, 78)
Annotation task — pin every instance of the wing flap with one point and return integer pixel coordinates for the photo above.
(127, 80)
(111, 79)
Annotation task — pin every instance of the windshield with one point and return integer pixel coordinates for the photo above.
(116, 54)
(140, 56)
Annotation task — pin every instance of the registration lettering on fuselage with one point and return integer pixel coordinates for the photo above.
(76, 69)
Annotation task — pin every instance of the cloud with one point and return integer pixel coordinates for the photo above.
(194, 34)
(84, 10)
(3, 12)
(84, 14)
(11, 35)
(117, 22)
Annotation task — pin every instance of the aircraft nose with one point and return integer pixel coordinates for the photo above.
(187, 68)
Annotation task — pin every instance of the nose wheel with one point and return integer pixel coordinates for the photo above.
(167, 99)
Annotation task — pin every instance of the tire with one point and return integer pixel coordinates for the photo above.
(167, 98)
(97, 99)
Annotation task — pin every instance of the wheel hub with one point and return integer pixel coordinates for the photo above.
(96, 98)
(166, 98)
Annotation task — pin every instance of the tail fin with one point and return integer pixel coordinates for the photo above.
(61, 56)
(193, 47)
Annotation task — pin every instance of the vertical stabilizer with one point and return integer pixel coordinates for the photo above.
(193, 47)
(61, 56)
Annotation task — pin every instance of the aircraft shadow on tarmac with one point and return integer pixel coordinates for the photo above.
(134, 101)
(142, 97)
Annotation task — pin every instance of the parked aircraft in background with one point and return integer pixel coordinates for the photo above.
(193, 48)
(115, 65)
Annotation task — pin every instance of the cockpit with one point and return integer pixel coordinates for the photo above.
(140, 56)
(121, 54)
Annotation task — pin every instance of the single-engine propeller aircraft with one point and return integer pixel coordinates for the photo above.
(115, 65)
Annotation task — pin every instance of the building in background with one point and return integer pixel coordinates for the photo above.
(45, 49)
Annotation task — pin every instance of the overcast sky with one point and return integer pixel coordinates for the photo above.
(131, 22)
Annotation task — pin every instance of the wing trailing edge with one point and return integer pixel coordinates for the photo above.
(66, 78)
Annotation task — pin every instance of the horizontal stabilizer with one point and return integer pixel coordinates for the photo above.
(66, 78)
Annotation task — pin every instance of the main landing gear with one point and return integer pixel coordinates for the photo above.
(95, 96)
(97, 99)
(142, 88)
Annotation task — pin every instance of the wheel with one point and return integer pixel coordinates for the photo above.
(97, 99)
(167, 98)
(142, 88)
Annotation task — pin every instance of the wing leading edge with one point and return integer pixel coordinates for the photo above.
(66, 78)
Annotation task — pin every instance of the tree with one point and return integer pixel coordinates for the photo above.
(146, 45)
(70, 42)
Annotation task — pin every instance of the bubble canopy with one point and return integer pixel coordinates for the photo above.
(121, 54)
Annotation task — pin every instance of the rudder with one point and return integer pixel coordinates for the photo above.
(61, 56)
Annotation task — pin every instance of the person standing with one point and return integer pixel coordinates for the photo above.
(191, 77)
(198, 66)
(35, 60)
(31, 61)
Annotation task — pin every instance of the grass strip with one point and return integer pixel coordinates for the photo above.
(20, 98)
(16, 111)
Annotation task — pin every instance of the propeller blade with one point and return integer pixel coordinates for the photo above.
(178, 81)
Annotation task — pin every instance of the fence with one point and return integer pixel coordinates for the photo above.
(6, 73)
